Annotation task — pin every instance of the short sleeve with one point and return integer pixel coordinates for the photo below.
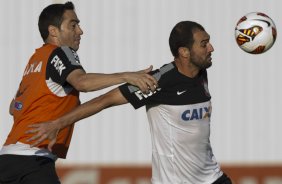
(61, 63)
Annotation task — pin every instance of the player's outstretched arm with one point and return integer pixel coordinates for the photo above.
(86, 82)
(49, 130)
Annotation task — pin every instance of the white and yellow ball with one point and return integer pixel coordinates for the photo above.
(255, 33)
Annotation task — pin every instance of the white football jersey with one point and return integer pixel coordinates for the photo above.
(179, 114)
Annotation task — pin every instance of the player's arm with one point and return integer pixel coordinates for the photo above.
(64, 68)
(86, 82)
(49, 130)
(11, 108)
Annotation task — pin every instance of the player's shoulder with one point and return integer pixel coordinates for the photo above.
(164, 70)
(167, 68)
(66, 53)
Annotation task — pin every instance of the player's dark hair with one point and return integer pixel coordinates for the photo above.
(182, 36)
(52, 15)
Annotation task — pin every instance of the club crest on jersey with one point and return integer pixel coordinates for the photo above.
(196, 114)
(18, 105)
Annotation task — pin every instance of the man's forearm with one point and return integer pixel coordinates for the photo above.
(92, 107)
(96, 81)
(86, 82)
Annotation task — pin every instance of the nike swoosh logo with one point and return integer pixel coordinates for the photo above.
(180, 92)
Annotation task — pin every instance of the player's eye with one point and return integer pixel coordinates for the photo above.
(73, 25)
(204, 44)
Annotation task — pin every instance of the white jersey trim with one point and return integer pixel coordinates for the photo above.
(57, 89)
(25, 149)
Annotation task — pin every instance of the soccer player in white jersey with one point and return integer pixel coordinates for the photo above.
(178, 111)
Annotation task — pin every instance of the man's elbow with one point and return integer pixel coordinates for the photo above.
(78, 80)
(81, 86)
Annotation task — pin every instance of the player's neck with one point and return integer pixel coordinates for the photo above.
(186, 68)
(52, 41)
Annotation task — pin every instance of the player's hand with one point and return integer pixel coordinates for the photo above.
(144, 81)
(43, 131)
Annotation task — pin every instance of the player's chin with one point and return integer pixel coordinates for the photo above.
(208, 64)
(75, 47)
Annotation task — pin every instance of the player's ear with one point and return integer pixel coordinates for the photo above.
(184, 52)
(53, 31)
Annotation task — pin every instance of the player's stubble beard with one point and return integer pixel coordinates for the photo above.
(201, 63)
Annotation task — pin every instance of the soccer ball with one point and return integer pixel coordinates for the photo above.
(255, 33)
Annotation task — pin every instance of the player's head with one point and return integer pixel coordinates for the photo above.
(192, 38)
(58, 24)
